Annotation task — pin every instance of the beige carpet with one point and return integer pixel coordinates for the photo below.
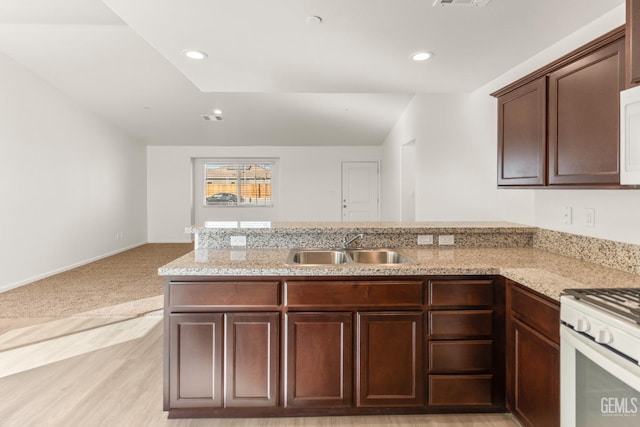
(124, 284)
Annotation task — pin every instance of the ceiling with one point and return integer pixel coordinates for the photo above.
(277, 79)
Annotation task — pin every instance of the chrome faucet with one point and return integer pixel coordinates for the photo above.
(346, 242)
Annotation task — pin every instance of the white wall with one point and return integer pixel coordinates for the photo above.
(617, 213)
(408, 181)
(68, 181)
(455, 137)
(309, 184)
(404, 132)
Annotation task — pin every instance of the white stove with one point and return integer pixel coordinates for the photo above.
(610, 317)
(600, 357)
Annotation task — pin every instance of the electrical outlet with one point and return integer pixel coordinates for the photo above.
(589, 217)
(425, 239)
(446, 239)
(568, 215)
(238, 241)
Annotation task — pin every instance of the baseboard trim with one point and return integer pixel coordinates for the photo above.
(170, 241)
(9, 286)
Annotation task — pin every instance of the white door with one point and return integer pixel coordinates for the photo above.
(360, 191)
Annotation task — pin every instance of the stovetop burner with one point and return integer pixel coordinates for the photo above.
(624, 302)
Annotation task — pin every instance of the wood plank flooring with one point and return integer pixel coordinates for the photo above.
(107, 371)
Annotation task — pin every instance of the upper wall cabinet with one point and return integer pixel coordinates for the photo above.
(630, 102)
(522, 144)
(583, 118)
(559, 126)
(633, 41)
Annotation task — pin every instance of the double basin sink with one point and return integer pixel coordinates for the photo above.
(345, 256)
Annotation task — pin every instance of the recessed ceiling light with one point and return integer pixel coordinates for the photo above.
(314, 20)
(215, 117)
(194, 54)
(421, 56)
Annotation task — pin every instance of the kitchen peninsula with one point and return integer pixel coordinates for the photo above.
(250, 333)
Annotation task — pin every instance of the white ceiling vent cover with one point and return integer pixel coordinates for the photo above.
(211, 118)
(461, 2)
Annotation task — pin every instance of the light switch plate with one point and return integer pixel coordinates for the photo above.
(590, 217)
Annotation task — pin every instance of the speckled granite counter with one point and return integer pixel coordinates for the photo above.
(218, 234)
(540, 270)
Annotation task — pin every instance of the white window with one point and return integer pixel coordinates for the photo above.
(238, 182)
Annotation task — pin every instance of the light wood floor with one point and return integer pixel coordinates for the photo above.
(107, 371)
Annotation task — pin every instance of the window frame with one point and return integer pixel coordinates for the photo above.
(240, 181)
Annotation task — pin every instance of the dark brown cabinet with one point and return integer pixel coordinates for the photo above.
(559, 126)
(222, 345)
(389, 370)
(195, 371)
(319, 367)
(252, 358)
(533, 357)
(522, 135)
(465, 343)
(342, 346)
(633, 41)
(198, 348)
(584, 118)
(326, 361)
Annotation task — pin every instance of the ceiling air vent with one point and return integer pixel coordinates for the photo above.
(461, 2)
(211, 118)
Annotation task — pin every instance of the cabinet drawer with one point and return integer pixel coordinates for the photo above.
(461, 323)
(461, 293)
(460, 390)
(223, 294)
(353, 293)
(460, 356)
(539, 313)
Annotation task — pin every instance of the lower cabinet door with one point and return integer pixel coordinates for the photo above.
(201, 356)
(195, 360)
(319, 360)
(389, 360)
(251, 366)
(536, 377)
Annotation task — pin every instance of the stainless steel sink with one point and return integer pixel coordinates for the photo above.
(377, 256)
(345, 256)
(317, 256)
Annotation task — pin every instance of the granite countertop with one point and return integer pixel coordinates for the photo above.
(540, 270)
(261, 227)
